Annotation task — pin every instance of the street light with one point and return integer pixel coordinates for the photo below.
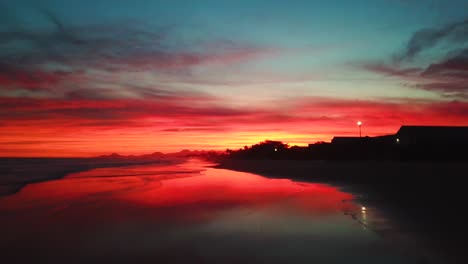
(359, 123)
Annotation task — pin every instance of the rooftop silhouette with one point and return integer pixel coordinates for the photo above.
(434, 143)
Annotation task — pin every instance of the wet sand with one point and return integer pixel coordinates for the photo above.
(191, 213)
(15, 173)
(425, 199)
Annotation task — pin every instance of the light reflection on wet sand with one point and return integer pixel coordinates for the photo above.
(187, 213)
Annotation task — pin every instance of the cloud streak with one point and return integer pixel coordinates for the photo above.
(117, 47)
(177, 108)
(391, 70)
(86, 62)
(206, 120)
(446, 75)
(452, 34)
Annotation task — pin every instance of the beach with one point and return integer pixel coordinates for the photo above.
(15, 173)
(425, 199)
(191, 212)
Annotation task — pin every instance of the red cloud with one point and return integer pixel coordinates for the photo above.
(30, 80)
(171, 61)
(189, 121)
(36, 79)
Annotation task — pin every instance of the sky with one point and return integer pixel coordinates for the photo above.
(85, 78)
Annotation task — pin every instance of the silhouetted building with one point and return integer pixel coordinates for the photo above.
(410, 143)
(434, 143)
(432, 135)
(383, 140)
(379, 140)
(346, 140)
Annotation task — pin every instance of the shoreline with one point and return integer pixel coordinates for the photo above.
(16, 173)
(415, 195)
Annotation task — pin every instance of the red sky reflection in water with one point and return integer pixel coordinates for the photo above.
(178, 213)
(177, 192)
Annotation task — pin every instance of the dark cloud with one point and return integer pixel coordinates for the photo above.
(203, 115)
(135, 91)
(454, 34)
(447, 89)
(123, 109)
(125, 46)
(30, 142)
(102, 47)
(14, 77)
(391, 70)
(75, 62)
(195, 129)
(453, 68)
(449, 77)
(446, 75)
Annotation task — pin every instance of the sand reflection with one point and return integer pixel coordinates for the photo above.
(185, 213)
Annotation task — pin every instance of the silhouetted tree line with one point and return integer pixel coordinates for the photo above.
(366, 148)
(267, 149)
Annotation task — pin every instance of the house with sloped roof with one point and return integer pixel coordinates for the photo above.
(432, 135)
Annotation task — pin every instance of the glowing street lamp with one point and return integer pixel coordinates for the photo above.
(359, 123)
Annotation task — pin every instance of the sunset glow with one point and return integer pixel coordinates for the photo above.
(94, 77)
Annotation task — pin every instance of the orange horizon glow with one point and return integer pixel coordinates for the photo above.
(62, 128)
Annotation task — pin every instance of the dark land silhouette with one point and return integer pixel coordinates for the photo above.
(410, 143)
(416, 176)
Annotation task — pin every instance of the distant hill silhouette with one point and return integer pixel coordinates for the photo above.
(115, 157)
(118, 157)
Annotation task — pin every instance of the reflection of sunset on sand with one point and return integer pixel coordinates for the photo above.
(187, 205)
(154, 186)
